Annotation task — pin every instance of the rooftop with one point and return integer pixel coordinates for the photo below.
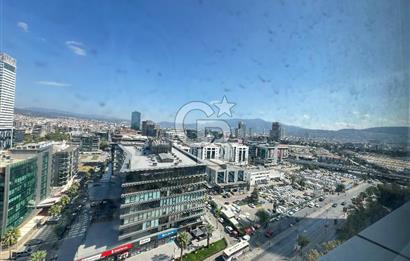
(139, 161)
(7, 159)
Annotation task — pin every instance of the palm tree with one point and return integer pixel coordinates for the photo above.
(10, 238)
(183, 241)
(302, 241)
(218, 213)
(55, 210)
(39, 255)
(209, 229)
(64, 200)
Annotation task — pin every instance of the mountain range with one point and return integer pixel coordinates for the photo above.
(380, 134)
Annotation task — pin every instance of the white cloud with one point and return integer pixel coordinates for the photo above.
(23, 26)
(52, 83)
(76, 47)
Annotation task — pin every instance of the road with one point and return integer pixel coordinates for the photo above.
(312, 226)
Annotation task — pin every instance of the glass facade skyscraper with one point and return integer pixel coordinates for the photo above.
(7, 97)
(136, 120)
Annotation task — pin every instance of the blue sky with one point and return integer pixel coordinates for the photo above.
(316, 64)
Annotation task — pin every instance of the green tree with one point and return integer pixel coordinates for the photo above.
(39, 255)
(104, 144)
(330, 245)
(340, 187)
(55, 210)
(209, 229)
(312, 255)
(263, 216)
(73, 190)
(302, 241)
(57, 136)
(10, 238)
(218, 213)
(64, 200)
(255, 195)
(183, 242)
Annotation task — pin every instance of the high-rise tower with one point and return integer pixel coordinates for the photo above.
(7, 96)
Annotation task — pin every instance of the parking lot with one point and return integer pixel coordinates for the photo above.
(285, 201)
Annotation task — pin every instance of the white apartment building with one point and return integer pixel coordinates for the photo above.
(7, 96)
(204, 150)
(261, 176)
(226, 176)
(234, 152)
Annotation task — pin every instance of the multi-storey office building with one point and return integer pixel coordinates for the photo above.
(43, 151)
(17, 190)
(161, 193)
(86, 142)
(234, 152)
(150, 129)
(225, 176)
(136, 120)
(7, 97)
(204, 150)
(65, 163)
(277, 131)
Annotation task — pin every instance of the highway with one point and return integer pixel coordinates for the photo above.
(282, 246)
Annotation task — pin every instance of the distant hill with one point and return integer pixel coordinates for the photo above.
(378, 134)
(52, 113)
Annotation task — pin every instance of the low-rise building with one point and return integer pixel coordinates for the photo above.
(259, 176)
(234, 152)
(225, 176)
(204, 150)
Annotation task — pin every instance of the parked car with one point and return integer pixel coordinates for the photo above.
(251, 205)
(221, 220)
(246, 237)
(34, 242)
(24, 253)
(229, 229)
(334, 205)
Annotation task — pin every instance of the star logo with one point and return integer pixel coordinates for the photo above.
(224, 107)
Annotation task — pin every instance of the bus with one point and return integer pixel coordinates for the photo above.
(233, 252)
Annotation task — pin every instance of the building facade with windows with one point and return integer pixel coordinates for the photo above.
(234, 152)
(86, 142)
(18, 179)
(136, 120)
(161, 194)
(150, 129)
(7, 97)
(205, 150)
(43, 151)
(65, 163)
(224, 176)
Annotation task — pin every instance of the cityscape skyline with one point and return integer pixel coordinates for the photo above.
(310, 71)
(204, 130)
